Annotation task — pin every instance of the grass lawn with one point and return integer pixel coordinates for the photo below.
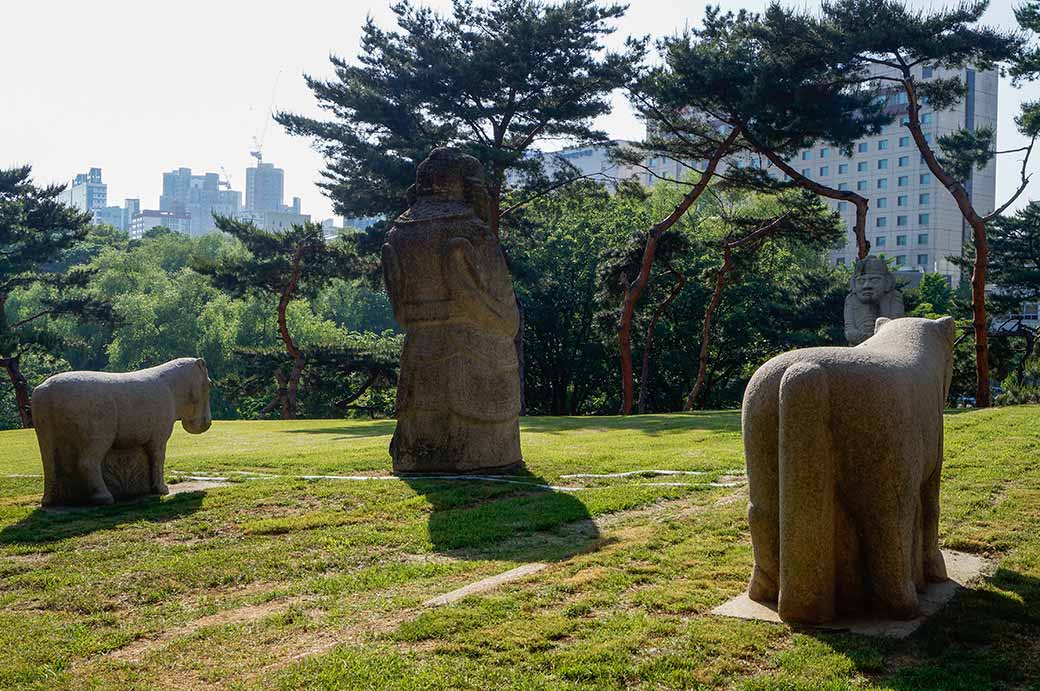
(286, 583)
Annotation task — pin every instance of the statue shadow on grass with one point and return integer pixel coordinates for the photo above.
(51, 525)
(380, 428)
(517, 517)
(650, 424)
(976, 641)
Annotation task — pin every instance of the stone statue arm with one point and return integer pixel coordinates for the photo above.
(392, 277)
(469, 290)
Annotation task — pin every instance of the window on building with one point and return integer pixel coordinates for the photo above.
(901, 260)
(861, 166)
(882, 164)
(882, 144)
(901, 220)
(901, 98)
(806, 172)
(806, 155)
(922, 238)
(926, 119)
(840, 261)
(841, 206)
(926, 178)
(843, 168)
(861, 185)
(902, 200)
(825, 152)
(903, 181)
(905, 120)
(928, 137)
(922, 260)
(904, 161)
(904, 141)
(861, 147)
(881, 221)
(879, 241)
(924, 198)
(926, 72)
(842, 186)
(882, 183)
(825, 170)
(882, 202)
(923, 219)
(901, 241)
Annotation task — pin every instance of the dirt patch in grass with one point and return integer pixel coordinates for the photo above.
(241, 615)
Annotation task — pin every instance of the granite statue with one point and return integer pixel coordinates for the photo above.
(844, 452)
(103, 436)
(872, 294)
(458, 395)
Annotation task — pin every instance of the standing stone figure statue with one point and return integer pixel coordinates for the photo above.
(458, 395)
(103, 436)
(844, 452)
(872, 294)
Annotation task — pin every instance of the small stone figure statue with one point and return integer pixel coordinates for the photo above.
(872, 294)
(458, 395)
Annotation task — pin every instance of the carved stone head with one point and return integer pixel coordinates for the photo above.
(448, 175)
(871, 280)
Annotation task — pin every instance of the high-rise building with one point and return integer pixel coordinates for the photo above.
(199, 197)
(109, 216)
(87, 192)
(131, 207)
(913, 219)
(265, 187)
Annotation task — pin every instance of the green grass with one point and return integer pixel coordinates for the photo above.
(289, 583)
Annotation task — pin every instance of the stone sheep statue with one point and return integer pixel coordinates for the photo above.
(104, 435)
(844, 451)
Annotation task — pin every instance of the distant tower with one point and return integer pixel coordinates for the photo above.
(87, 192)
(265, 187)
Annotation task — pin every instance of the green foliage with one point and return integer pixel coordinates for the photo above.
(492, 80)
(1014, 254)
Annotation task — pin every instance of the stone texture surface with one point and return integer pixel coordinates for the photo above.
(844, 455)
(458, 396)
(103, 436)
(961, 568)
(872, 294)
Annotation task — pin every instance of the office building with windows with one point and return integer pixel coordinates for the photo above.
(913, 220)
(87, 192)
(145, 220)
(265, 187)
(198, 197)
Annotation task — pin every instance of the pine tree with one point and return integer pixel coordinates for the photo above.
(887, 44)
(37, 234)
(493, 81)
(287, 266)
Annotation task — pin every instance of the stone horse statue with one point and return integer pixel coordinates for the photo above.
(103, 435)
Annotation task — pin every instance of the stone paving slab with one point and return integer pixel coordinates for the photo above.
(961, 568)
(486, 584)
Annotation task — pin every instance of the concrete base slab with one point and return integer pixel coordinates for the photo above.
(486, 584)
(961, 568)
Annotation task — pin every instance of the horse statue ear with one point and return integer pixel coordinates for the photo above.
(881, 321)
(201, 364)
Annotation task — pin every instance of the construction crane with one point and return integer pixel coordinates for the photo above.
(258, 142)
(226, 181)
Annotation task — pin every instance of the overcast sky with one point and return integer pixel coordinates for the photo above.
(139, 91)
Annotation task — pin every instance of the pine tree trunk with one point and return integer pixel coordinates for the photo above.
(709, 315)
(21, 391)
(648, 342)
(634, 290)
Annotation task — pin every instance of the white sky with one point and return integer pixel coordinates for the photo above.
(139, 91)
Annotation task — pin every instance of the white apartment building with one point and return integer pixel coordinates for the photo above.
(913, 219)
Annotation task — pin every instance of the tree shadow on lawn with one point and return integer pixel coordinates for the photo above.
(983, 639)
(651, 424)
(518, 517)
(381, 428)
(47, 525)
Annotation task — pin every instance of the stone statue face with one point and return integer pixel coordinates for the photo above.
(869, 287)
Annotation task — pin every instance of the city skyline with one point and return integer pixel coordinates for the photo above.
(203, 109)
